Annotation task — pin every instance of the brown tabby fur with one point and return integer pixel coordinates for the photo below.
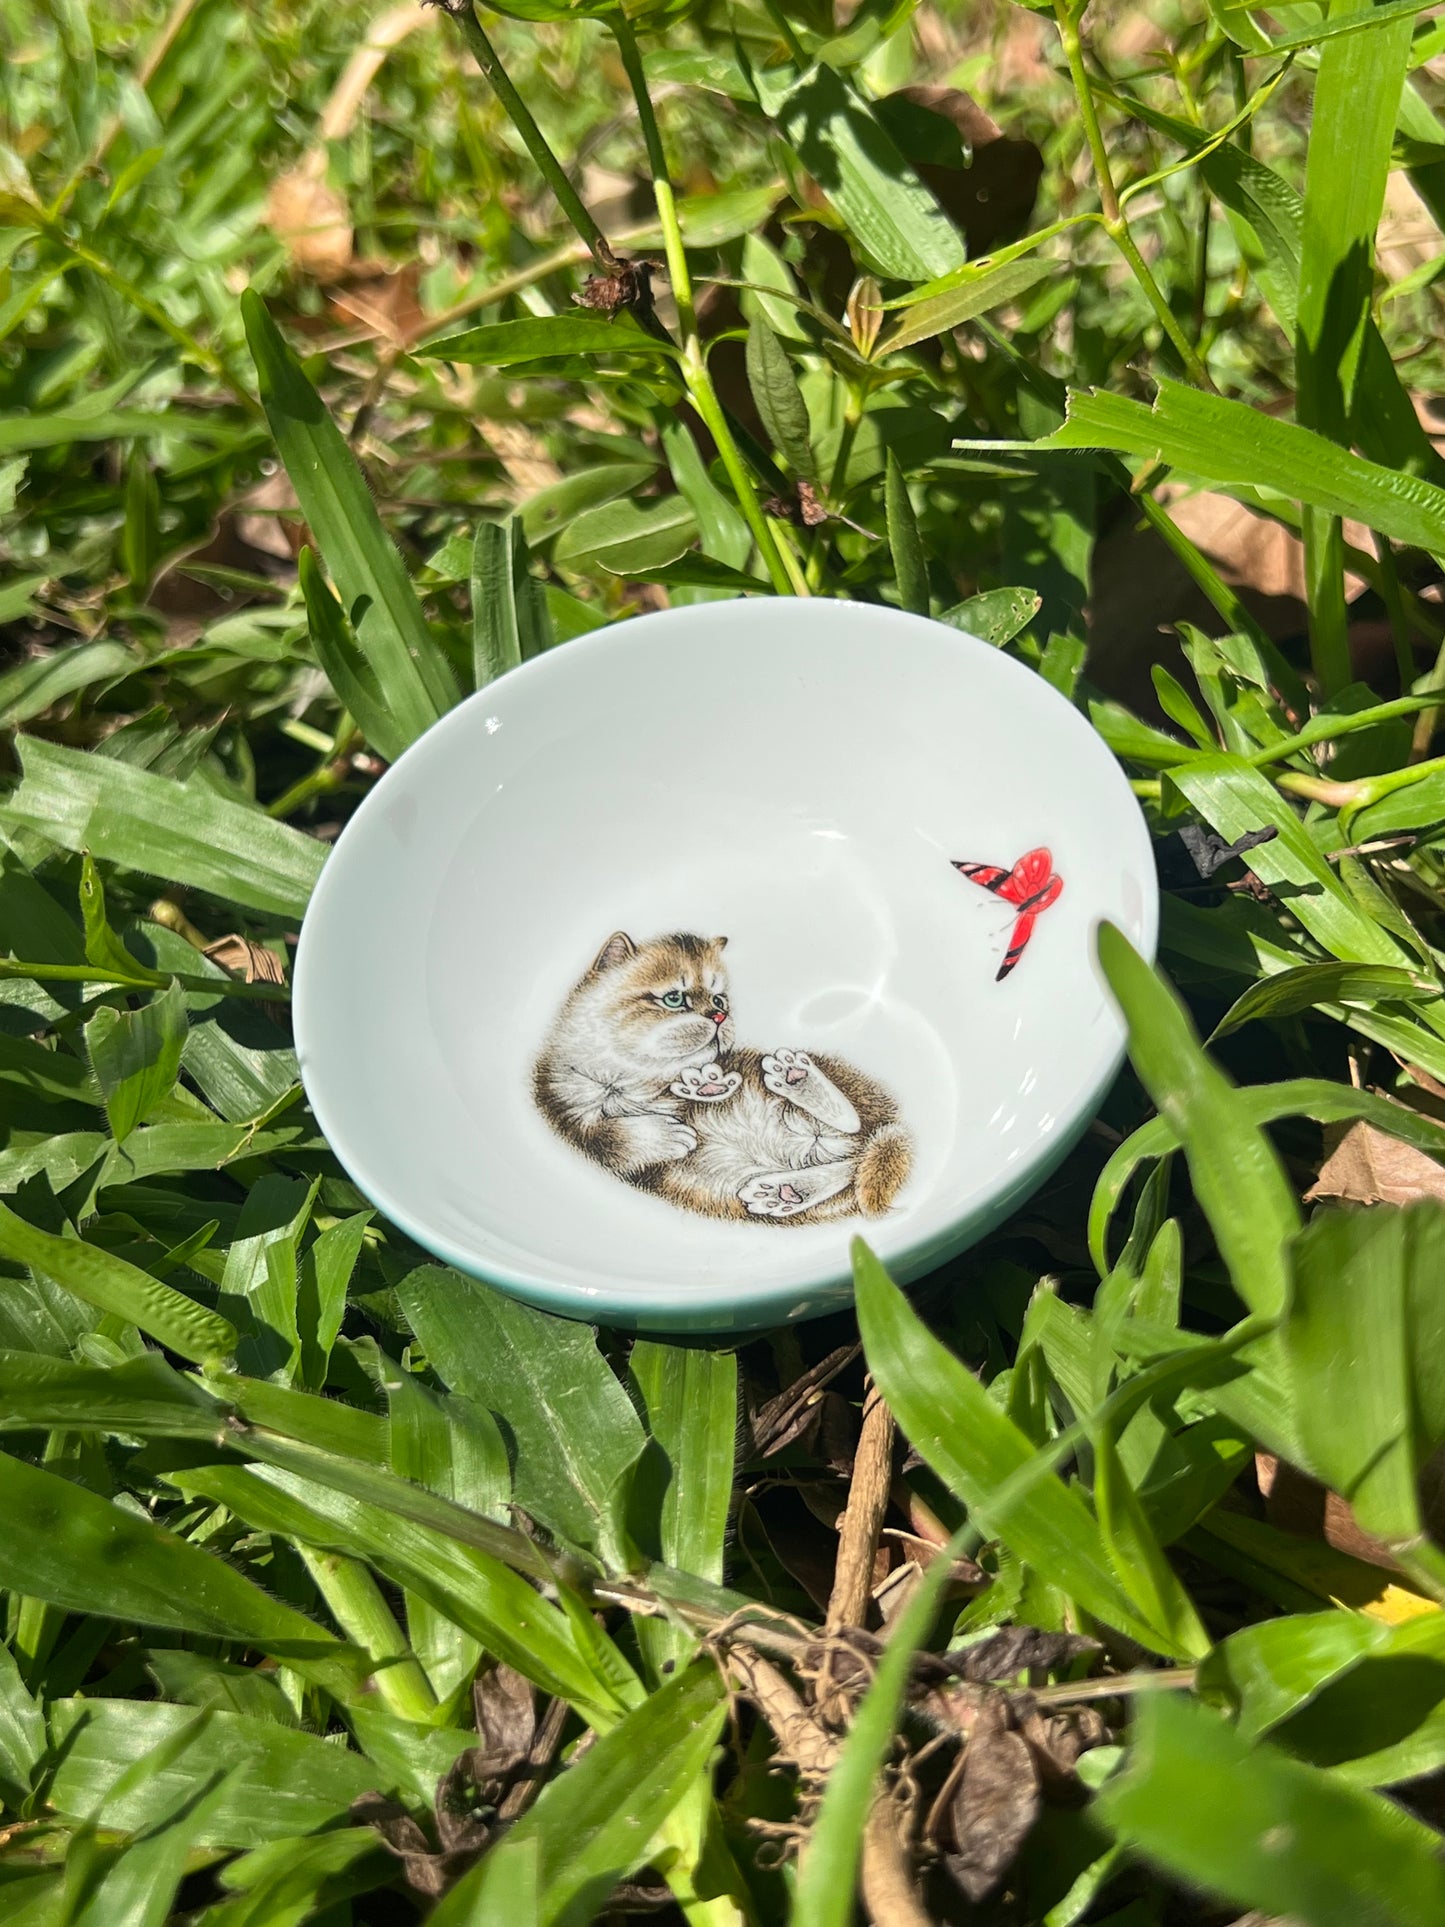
(806, 1138)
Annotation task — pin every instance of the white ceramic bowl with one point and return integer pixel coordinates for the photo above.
(708, 1129)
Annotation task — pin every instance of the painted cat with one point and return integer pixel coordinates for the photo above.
(641, 1072)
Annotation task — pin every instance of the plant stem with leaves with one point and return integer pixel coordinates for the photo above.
(786, 580)
(1116, 222)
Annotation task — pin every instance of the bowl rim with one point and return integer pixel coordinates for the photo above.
(721, 1308)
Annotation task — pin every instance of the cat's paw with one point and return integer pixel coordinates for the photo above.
(772, 1197)
(785, 1071)
(706, 1084)
(656, 1140)
(792, 1075)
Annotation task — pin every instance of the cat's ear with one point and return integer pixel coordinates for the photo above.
(617, 949)
(719, 943)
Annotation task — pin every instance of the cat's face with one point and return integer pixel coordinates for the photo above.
(664, 1004)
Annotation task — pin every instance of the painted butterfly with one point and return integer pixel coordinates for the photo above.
(1030, 886)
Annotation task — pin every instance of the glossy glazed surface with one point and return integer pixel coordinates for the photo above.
(802, 778)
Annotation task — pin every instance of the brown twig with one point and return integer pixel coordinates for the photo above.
(862, 1520)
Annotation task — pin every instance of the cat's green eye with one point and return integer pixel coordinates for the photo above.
(673, 1000)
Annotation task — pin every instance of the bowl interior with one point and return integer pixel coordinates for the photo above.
(800, 778)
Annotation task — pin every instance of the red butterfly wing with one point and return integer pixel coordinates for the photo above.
(988, 874)
(1030, 875)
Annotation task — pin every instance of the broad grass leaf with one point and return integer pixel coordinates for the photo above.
(496, 637)
(137, 1885)
(1288, 991)
(1264, 1673)
(500, 344)
(280, 1782)
(828, 1877)
(103, 946)
(136, 1056)
(34, 686)
(779, 399)
(1416, 804)
(572, 1427)
(556, 506)
(1137, 1556)
(452, 1446)
(1349, 1347)
(996, 616)
(596, 1822)
(1237, 1176)
(898, 225)
(1352, 127)
(627, 535)
(1260, 1830)
(345, 667)
(412, 675)
(682, 1488)
(1231, 444)
(326, 1270)
(143, 1395)
(485, 1598)
(982, 1455)
(111, 1284)
(23, 1739)
(910, 564)
(1312, 1097)
(290, 1881)
(181, 833)
(73, 1549)
(981, 287)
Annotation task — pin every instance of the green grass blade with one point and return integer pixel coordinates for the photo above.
(496, 638)
(975, 1448)
(346, 669)
(1238, 1179)
(1233, 445)
(181, 833)
(682, 1489)
(1260, 1830)
(113, 1285)
(65, 1545)
(576, 1434)
(910, 564)
(598, 1820)
(897, 223)
(412, 676)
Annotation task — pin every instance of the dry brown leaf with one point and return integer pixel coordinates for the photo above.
(1296, 1503)
(996, 1803)
(252, 962)
(1370, 1167)
(385, 304)
(311, 219)
(1250, 551)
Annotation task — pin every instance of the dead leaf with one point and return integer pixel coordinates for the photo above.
(1019, 1649)
(1056, 1740)
(792, 1416)
(1370, 1167)
(506, 1719)
(1294, 1502)
(996, 1804)
(311, 219)
(1250, 551)
(385, 303)
(252, 962)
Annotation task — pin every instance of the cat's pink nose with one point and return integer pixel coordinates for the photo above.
(719, 1016)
